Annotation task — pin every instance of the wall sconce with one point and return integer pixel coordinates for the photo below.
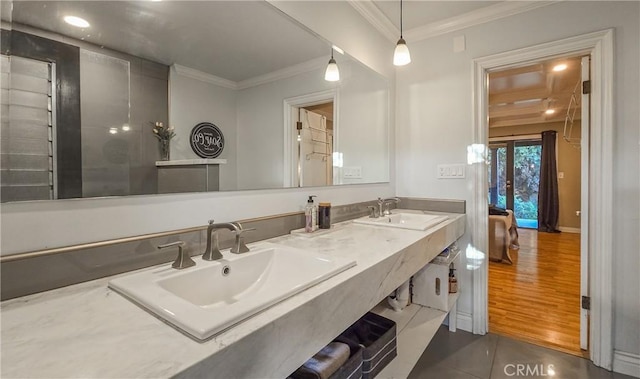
(332, 74)
(401, 55)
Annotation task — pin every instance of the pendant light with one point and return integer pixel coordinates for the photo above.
(332, 74)
(401, 55)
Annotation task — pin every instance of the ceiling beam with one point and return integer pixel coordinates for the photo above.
(521, 95)
(516, 71)
(530, 120)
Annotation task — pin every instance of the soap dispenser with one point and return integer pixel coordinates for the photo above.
(453, 281)
(310, 216)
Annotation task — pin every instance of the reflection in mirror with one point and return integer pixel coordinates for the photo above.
(83, 100)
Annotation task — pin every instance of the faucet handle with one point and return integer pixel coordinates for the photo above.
(373, 211)
(240, 247)
(182, 260)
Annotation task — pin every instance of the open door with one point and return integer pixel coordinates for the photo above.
(315, 148)
(584, 205)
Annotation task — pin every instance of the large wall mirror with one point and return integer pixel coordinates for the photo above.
(81, 98)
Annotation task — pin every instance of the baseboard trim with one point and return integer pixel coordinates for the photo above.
(626, 363)
(567, 229)
(464, 322)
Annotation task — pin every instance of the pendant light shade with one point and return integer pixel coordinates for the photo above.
(332, 74)
(401, 55)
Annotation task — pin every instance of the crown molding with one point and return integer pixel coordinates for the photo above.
(375, 17)
(286, 72)
(477, 17)
(204, 77)
(381, 22)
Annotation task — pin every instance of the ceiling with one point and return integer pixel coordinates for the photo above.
(521, 96)
(240, 40)
(234, 40)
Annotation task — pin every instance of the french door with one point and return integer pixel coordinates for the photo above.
(514, 177)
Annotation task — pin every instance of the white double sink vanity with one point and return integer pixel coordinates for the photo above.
(257, 314)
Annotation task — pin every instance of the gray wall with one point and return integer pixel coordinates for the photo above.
(121, 164)
(119, 92)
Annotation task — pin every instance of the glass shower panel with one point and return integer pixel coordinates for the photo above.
(106, 143)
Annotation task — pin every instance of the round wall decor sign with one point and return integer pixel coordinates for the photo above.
(207, 140)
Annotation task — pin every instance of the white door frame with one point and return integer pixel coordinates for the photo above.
(600, 242)
(291, 106)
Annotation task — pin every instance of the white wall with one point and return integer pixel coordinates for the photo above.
(33, 226)
(361, 127)
(434, 118)
(192, 101)
(261, 127)
(362, 135)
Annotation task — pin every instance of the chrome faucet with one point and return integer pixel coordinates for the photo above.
(383, 205)
(212, 251)
(239, 247)
(183, 260)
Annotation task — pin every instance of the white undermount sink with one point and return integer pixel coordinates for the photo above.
(413, 221)
(214, 295)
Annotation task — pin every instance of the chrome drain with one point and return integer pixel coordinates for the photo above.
(226, 270)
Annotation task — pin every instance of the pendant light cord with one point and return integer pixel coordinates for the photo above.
(400, 18)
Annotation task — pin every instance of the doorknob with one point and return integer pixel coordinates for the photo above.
(508, 183)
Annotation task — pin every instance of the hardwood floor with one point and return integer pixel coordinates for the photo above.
(537, 299)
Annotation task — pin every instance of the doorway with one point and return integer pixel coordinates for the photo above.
(310, 139)
(314, 137)
(534, 292)
(597, 196)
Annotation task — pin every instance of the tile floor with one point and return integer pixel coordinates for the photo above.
(462, 355)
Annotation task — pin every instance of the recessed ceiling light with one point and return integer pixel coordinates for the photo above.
(560, 67)
(126, 128)
(76, 21)
(337, 49)
(113, 130)
(550, 111)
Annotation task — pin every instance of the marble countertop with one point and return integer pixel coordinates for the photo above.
(87, 330)
(190, 162)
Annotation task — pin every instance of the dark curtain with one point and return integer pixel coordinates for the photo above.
(548, 204)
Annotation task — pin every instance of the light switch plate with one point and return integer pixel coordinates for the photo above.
(354, 172)
(451, 171)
